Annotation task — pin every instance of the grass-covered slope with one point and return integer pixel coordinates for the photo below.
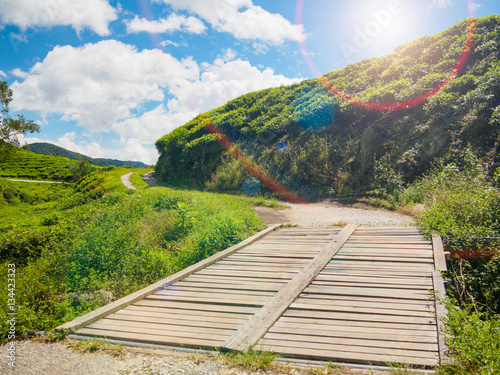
(334, 147)
(24, 164)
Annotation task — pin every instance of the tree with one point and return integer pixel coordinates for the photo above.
(11, 128)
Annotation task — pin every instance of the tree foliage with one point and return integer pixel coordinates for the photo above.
(11, 128)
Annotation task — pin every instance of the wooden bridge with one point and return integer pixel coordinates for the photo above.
(349, 294)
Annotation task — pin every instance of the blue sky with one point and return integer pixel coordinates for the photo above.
(107, 78)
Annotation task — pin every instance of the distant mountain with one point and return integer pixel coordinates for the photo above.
(50, 149)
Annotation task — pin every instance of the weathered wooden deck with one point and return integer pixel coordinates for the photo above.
(348, 294)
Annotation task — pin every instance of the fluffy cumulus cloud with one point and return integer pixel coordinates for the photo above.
(2, 74)
(173, 22)
(221, 81)
(94, 14)
(242, 18)
(99, 84)
(105, 86)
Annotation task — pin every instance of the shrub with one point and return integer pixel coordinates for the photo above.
(474, 341)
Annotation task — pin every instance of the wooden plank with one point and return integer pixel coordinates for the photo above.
(332, 275)
(81, 321)
(354, 317)
(441, 315)
(384, 258)
(363, 351)
(372, 270)
(360, 284)
(248, 335)
(153, 338)
(196, 306)
(342, 355)
(369, 292)
(356, 331)
(206, 290)
(424, 283)
(171, 334)
(368, 299)
(439, 258)
(360, 325)
(223, 300)
(272, 287)
(327, 337)
(250, 273)
(385, 310)
(195, 317)
(183, 330)
(225, 279)
(374, 252)
(259, 267)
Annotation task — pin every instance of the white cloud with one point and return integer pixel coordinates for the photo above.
(242, 18)
(441, 3)
(221, 82)
(104, 86)
(170, 43)
(2, 74)
(94, 14)
(19, 73)
(173, 22)
(99, 84)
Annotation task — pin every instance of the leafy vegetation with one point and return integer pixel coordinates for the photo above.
(24, 164)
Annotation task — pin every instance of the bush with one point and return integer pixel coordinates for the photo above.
(474, 341)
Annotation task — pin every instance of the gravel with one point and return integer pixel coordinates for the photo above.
(126, 180)
(331, 213)
(37, 358)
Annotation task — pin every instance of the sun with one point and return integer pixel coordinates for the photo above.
(376, 27)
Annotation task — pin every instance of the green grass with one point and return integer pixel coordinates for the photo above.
(474, 341)
(251, 360)
(137, 180)
(95, 345)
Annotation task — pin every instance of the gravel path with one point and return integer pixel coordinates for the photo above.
(37, 181)
(148, 177)
(331, 212)
(35, 358)
(126, 180)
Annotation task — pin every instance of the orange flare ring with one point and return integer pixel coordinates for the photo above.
(253, 168)
(395, 105)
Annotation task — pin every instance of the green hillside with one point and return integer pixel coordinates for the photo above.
(335, 148)
(50, 149)
(25, 164)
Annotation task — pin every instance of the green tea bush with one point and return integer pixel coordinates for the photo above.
(26, 243)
